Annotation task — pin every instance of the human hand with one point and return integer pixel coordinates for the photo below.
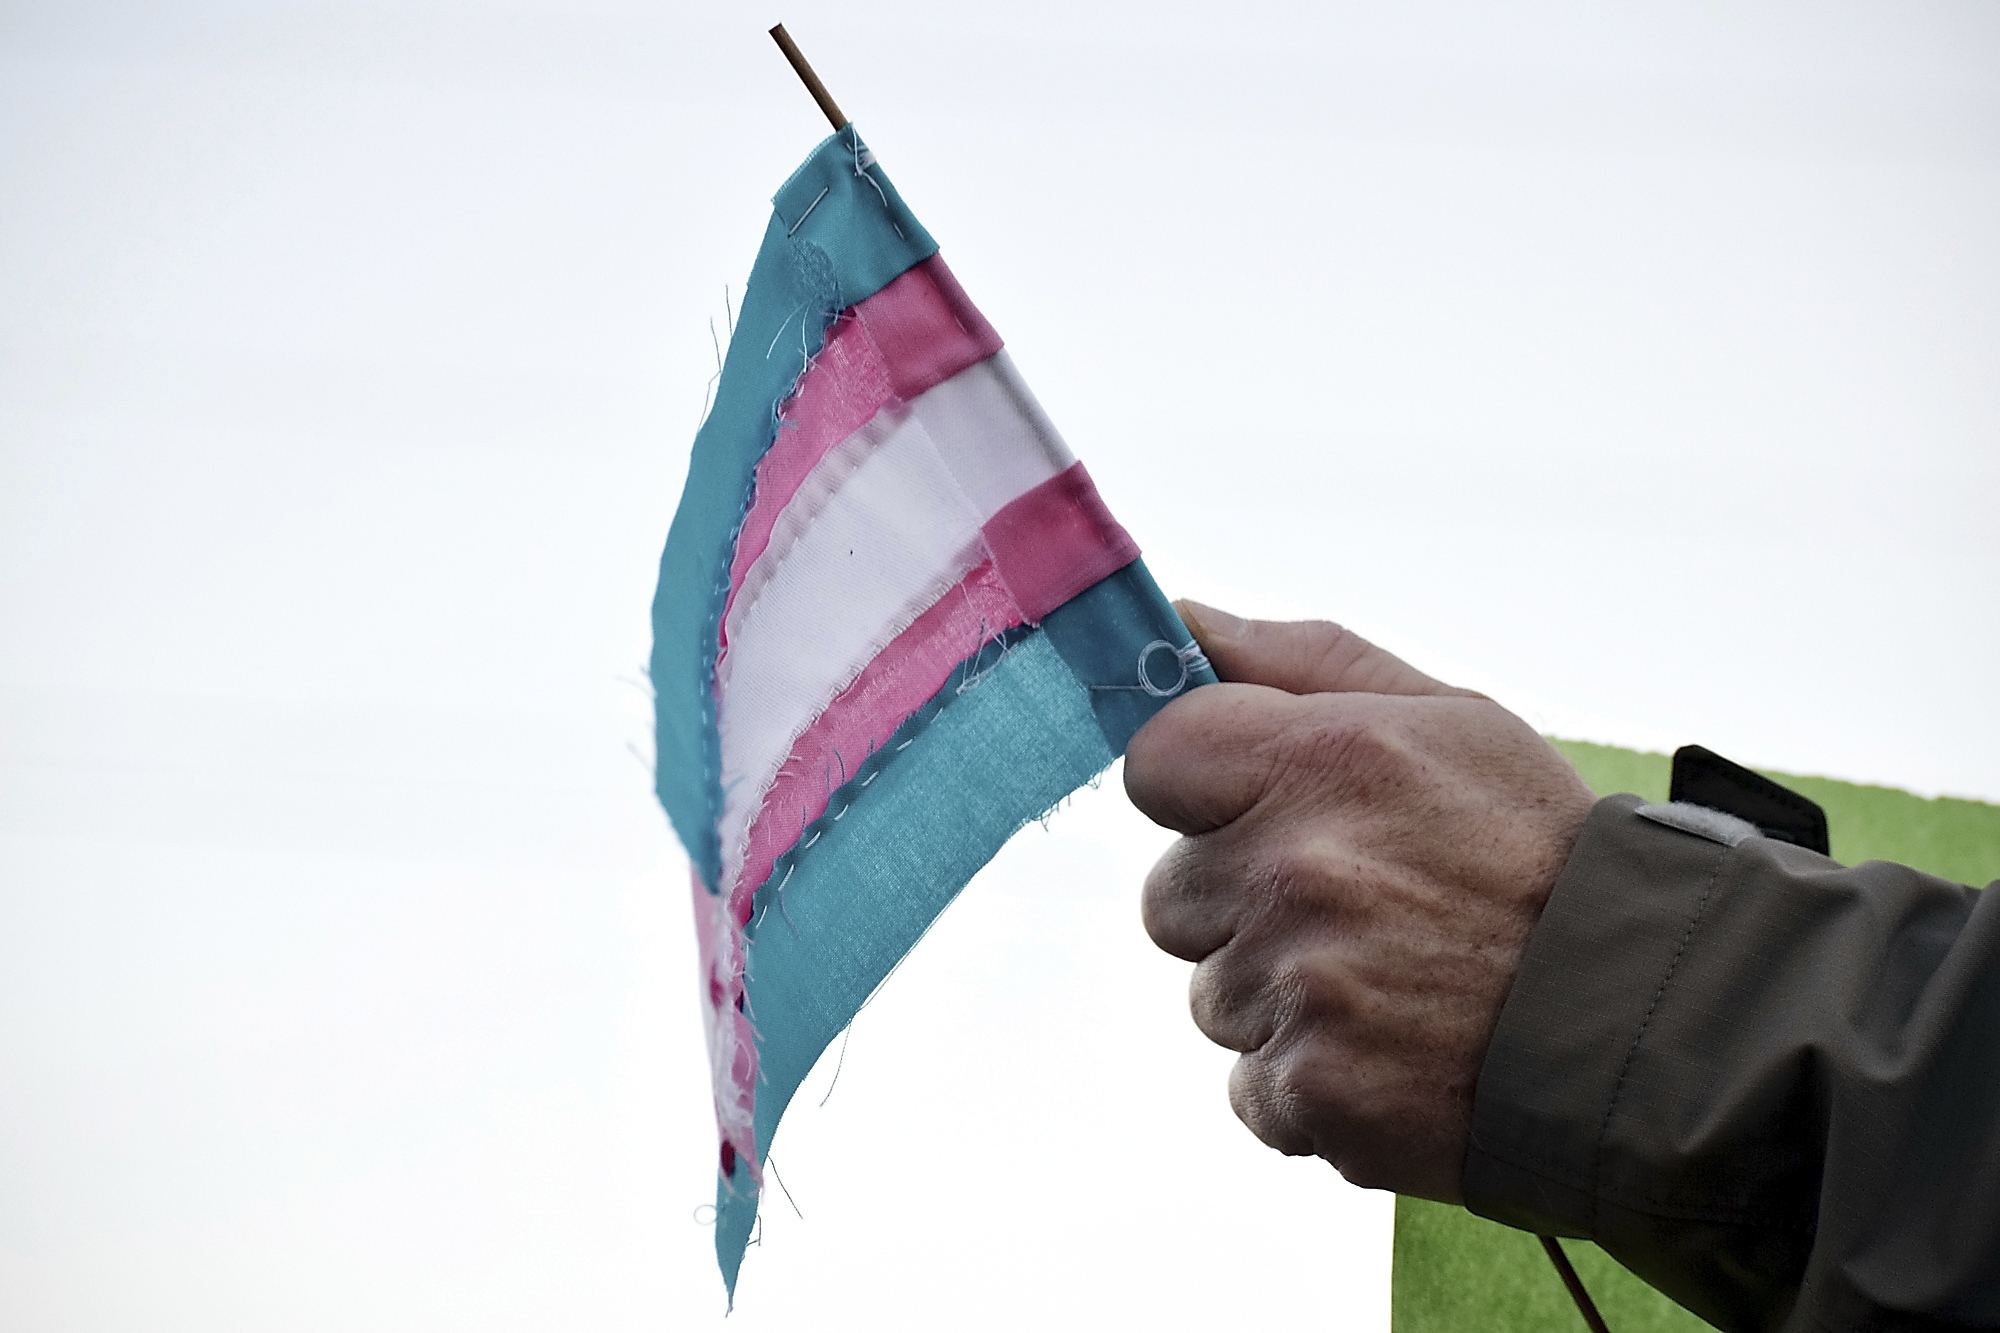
(1366, 851)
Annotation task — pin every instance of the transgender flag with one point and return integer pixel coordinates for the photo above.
(895, 622)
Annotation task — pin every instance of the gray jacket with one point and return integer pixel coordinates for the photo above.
(1767, 1084)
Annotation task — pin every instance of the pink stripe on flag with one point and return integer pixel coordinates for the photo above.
(846, 387)
(913, 335)
(900, 680)
(926, 328)
(1056, 540)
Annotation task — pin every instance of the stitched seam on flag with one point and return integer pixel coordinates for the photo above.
(958, 489)
(901, 621)
(817, 287)
(734, 821)
(967, 677)
(839, 385)
(960, 621)
(804, 167)
(1019, 429)
(835, 471)
(819, 497)
(782, 1081)
(822, 485)
(944, 460)
(711, 730)
(712, 645)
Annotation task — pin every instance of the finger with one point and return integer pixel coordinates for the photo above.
(1302, 656)
(1208, 757)
(1239, 1004)
(1268, 1106)
(1192, 903)
(1273, 976)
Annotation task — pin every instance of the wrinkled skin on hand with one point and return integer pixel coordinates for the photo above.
(1365, 851)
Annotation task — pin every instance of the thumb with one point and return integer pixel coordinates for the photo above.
(1301, 656)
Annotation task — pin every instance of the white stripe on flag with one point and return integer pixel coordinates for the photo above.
(884, 525)
(877, 533)
(994, 436)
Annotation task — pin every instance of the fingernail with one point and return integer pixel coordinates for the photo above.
(1209, 623)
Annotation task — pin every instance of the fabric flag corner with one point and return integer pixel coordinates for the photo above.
(895, 622)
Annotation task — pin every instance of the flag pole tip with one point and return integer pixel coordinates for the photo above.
(804, 70)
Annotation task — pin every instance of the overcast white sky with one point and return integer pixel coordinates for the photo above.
(1633, 363)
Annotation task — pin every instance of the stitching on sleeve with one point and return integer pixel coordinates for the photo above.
(1650, 1205)
(1631, 1052)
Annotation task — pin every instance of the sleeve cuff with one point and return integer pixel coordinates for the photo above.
(1594, 972)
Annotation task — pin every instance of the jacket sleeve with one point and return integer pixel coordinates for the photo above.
(1766, 1083)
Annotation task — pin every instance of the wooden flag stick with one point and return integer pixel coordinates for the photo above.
(807, 77)
(1584, 1305)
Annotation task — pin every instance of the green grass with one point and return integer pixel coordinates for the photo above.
(1455, 1272)
(1956, 839)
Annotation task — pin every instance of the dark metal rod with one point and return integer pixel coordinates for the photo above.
(1585, 1306)
(810, 79)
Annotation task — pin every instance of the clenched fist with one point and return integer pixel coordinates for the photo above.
(1365, 852)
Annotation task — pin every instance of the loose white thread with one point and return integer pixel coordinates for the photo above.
(859, 170)
(840, 1063)
(708, 394)
(772, 1163)
(975, 674)
(779, 334)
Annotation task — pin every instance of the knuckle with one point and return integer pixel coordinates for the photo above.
(1347, 744)
(1317, 887)
(1329, 648)
(1306, 1073)
(1164, 898)
(1299, 871)
(1267, 1107)
(1199, 763)
(1205, 1002)
(1182, 905)
(1296, 1085)
(1325, 746)
(1231, 1003)
(1329, 995)
(1348, 761)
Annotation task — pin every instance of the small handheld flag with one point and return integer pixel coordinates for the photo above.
(895, 622)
